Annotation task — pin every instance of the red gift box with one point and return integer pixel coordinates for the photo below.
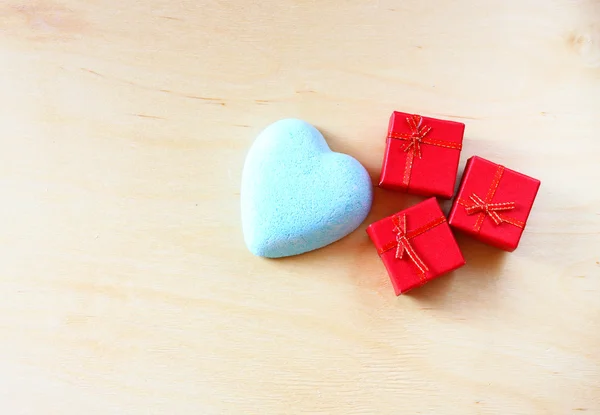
(422, 155)
(493, 203)
(416, 245)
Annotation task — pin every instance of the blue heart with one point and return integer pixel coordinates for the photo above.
(297, 195)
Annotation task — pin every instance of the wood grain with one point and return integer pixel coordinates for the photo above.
(126, 287)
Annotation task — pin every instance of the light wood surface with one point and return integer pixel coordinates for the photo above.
(125, 284)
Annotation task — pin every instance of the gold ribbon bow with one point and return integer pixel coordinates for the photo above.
(491, 209)
(404, 245)
(476, 205)
(417, 134)
(402, 241)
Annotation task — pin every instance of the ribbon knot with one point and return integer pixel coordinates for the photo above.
(403, 244)
(490, 209)
(417, 134)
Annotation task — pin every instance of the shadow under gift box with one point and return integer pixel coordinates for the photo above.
(493, 203)
(416, 245)
(421, 155)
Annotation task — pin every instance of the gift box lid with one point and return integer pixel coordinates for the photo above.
(422, 155)
(431, 239)
(480, 179)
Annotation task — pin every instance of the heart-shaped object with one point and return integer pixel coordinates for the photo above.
(298, 195)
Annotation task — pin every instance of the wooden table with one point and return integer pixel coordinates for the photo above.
(125, 283)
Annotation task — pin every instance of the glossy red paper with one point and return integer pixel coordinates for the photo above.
(487, 186)
(421, 156)
(430, 239)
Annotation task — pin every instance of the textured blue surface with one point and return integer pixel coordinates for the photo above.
(297, 195)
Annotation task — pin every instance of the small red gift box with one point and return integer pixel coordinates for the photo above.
(421, 155)
(416, 245)
(493, 203)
